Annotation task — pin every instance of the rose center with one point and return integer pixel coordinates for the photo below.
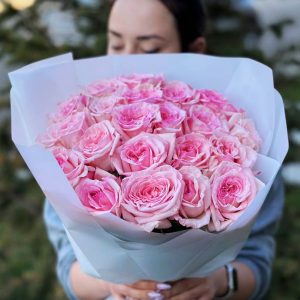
(229, 191)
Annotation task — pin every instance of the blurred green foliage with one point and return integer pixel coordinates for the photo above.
(27, 261)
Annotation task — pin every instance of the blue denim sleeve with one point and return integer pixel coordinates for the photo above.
(64, 252)
(259, 250)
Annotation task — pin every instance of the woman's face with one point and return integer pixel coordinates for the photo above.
(142, 26)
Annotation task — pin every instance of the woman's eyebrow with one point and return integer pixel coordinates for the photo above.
(115, 33)
(139, 38)
(149, 37)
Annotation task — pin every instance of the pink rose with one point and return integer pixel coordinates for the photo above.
(103, 88)
(145, 151)
(150, 197)
(132, 119)
(133, 80)
(215, 101)
(228, 148)
(67, 132)
(99, 195)
(101, 108)
(73, 105)
(203, 120)
(177, 91)
(172, 118)
(194, 211)
(98, 144)
(235, 118)
(187, 103)
(72, 163)
(143, 92)
(233, 188)
(244, 129)
(192, 149)
(99, 174)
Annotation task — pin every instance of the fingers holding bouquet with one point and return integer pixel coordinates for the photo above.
(191, 288)
(140, 290)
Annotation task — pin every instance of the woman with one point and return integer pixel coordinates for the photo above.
(157, 26)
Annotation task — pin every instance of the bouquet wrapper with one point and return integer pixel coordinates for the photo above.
(108, 247)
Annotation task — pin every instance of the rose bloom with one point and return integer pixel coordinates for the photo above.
(73, 105)
(143, 92)
(150, 197)
(244, 129)
(66, 132)
(99, 196)
(203, 120)
(133, 80)
(177, 91)
(72, 163)
(194, 211)
(103, 88)
(233, 188)
(145, 151)
(215, 101)
(132, 119)
(101, 108)
(192, 149)
(172, 118)
(98, 144)
(226, 147)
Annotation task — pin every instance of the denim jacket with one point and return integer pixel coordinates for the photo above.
(258, 252)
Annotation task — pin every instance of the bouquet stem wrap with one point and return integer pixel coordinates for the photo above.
(109, 247)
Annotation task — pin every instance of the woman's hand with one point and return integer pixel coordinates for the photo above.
(140, 290)
(192, 288)
(86, 287)
(206, 288)
(215, 285)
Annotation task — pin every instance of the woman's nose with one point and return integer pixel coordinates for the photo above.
(130, 48)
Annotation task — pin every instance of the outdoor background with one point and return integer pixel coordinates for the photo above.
(266, 30)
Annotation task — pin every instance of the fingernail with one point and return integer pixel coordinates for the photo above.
(154, 295)
(163, 286)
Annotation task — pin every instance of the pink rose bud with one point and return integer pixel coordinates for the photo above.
(99, 195)
(132, 119)
(145, 151)
(98, 144)
(233, 188)
(150, 197)
(194, 211)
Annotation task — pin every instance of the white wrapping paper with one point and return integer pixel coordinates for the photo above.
(106, 246)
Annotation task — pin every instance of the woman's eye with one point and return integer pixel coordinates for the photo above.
(155, 50)
(116, 48)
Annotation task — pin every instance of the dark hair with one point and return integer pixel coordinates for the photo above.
(190, 16)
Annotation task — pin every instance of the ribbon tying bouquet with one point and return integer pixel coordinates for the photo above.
(154, 176)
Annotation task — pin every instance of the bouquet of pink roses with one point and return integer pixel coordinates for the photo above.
(142, 169)
(177, 153)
